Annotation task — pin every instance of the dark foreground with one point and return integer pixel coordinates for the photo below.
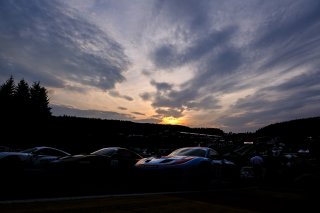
(30, 192)
(250, 199)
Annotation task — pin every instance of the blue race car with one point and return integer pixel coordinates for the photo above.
(185, 165)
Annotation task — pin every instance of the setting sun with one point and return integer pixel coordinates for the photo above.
(171, 120)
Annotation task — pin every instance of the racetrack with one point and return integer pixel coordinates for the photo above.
(45, 193)
(244, 199)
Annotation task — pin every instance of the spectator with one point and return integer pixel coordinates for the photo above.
(257, 162)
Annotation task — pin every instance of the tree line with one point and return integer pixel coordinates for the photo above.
(21, 102)
(26, 119)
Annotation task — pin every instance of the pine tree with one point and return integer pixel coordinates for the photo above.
(39, 101)
(22, 100)
(7, 91)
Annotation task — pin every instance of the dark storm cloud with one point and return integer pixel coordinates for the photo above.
(60, 110)
(48, 42)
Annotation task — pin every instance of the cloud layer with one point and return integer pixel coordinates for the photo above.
(48, 41)
(265, 55)
(235, 65)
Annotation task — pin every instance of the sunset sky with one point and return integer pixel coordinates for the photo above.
(234, 65)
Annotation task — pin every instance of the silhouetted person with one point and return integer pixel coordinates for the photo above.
(257, 162)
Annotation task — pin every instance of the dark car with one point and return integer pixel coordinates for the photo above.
(104, 162)
(33, 158)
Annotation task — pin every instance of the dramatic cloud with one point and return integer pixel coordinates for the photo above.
(280, 50)
(235, 65)
(47, 41)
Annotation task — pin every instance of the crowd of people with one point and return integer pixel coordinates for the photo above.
(277, 167)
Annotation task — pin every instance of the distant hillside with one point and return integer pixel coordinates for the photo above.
(77, 134)
(301, 127)
(103, 126)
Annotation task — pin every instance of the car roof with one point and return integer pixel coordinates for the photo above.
(46, 147)
(195, 147)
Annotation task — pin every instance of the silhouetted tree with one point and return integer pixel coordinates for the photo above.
(39, 101)
(22, 100)
(7, 91)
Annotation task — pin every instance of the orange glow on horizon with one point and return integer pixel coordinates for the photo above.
(172, 121)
